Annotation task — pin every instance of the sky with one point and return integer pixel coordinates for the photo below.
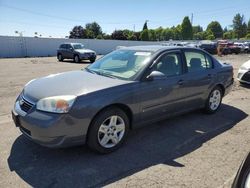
(56, 18)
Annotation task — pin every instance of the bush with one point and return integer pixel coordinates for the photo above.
(248, 36)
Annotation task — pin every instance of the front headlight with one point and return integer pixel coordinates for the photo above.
(244, 68)
(56, 104)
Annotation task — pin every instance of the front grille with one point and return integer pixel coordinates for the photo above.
(25, 105)
(246, 77)
(90, 54)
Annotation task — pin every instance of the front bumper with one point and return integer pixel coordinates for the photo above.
(87, 56)
(50, 129)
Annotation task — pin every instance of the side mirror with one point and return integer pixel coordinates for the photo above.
(155, 75)
(71, 49)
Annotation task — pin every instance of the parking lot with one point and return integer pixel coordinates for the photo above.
(192, 150)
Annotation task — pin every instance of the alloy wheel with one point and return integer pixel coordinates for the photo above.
(111, 131)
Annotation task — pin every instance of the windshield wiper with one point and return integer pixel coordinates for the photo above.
(91, 71)
(104, 73)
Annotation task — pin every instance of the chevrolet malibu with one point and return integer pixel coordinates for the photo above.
(125, 89)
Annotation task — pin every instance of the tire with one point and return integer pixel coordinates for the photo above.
(214, 99)
(92, 60)
(76, 59)
(103, 136)
(60, 57)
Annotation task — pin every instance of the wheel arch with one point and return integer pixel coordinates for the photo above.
(121, 106)
(222, 88)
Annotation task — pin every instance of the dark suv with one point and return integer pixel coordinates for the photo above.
(75, 51)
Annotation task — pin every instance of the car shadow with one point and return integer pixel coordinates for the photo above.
(245, 85)
(159, 143)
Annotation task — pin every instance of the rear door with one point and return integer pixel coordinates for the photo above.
(198, 77)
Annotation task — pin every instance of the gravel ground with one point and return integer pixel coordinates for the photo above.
(192, 150)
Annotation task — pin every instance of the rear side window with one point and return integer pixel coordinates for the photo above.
(197, 61)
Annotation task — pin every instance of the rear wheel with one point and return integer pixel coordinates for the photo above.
(214, 100)
(60, 57)
(76, 59)
(108, 130)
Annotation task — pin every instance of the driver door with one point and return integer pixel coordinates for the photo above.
(165, 95)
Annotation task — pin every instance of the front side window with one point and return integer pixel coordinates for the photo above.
(169, 64)
(63, 46)
(123, 64)
(68, 46)
(197, 61)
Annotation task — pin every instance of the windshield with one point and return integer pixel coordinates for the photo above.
(122, 64)
(78, 46)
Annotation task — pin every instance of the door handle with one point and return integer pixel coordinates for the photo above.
(180, 82)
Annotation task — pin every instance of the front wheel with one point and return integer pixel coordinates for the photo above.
(108, 130)
(214, 100)
(76, 59)
(92, 60)
(60, 57)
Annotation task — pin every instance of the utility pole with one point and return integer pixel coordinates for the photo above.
(192, 17)
(22, 43)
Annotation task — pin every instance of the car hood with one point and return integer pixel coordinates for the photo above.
(82, 51)
(246, 64)
(68, 83)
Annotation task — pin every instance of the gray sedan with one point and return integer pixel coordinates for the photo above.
(125, 89)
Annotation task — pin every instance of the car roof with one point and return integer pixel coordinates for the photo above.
(72, 43)
(155, 48)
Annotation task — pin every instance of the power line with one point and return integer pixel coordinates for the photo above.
(199, 13)
(62, 18)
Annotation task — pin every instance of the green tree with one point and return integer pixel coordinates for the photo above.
(216, 29)
(106, 36)
(78, 32)
(145, 26)
(186, 29)
(129, 34)
(132, 37)
(138, 35)
(167, 34)
(209, 35)
(248, 26)
(152, 35)
(94, 29)
(229, 35)
(248, 36)
(239, 26)
(197, 29)
(200, 35)
(177, 32)
(158, 33)
(99, 37)
(144, 35)
(118, 35)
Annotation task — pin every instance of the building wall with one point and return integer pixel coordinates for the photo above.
(40, 47)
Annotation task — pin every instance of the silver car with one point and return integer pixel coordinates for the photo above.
(123, 90)
(75, 51)
(244, 73)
